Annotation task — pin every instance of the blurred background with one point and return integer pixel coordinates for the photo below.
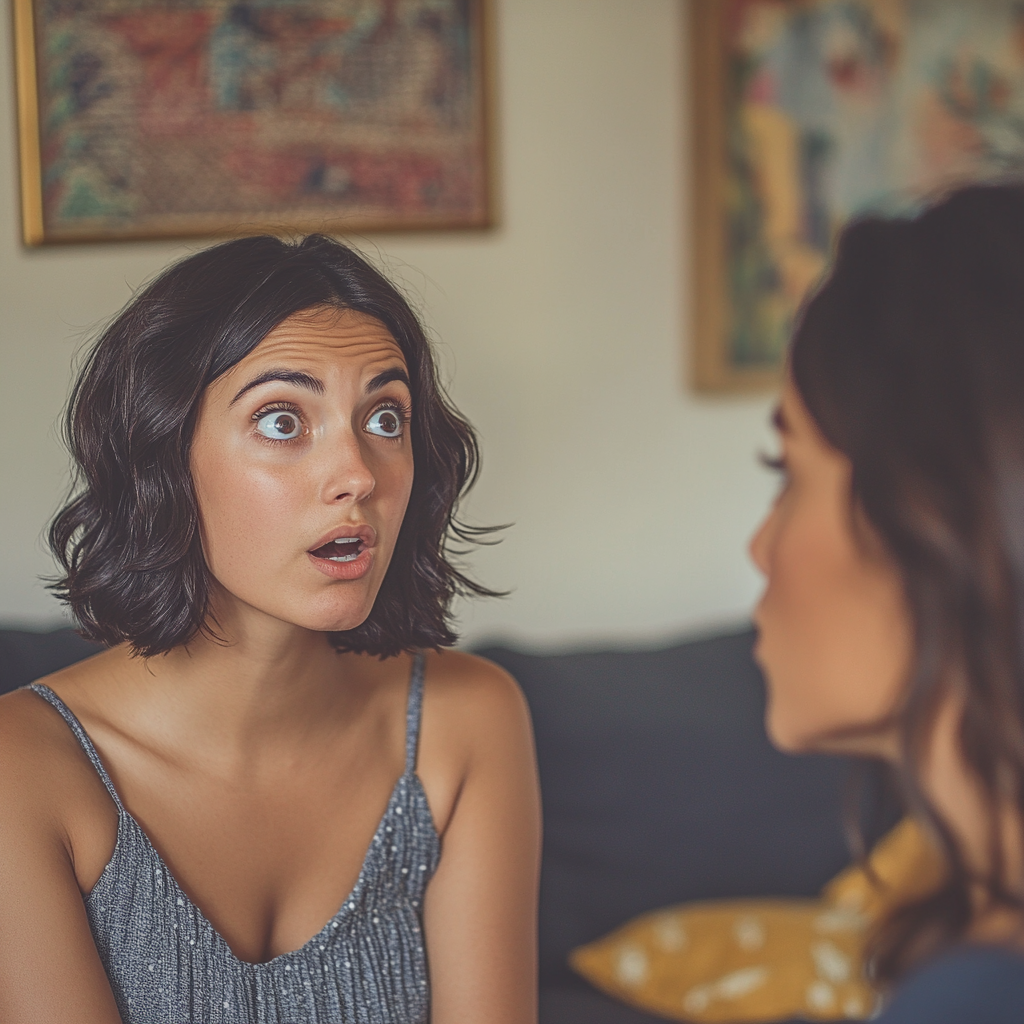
(563, 334)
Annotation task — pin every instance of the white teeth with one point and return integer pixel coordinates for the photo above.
(353, 544)
(350, 542)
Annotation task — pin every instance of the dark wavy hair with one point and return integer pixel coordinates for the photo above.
(910, 358)
(128, 538)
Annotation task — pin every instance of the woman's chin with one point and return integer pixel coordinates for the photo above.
(838, 739)
(334, 624)
(790, 732)
(334, 613)
(324, 620)
(785, 737)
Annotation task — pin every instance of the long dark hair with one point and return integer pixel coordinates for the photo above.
(128, 539)
(910, 358)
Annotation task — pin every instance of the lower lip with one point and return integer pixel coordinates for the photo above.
(353, 570)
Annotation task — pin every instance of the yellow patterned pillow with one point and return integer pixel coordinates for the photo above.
(747, 961)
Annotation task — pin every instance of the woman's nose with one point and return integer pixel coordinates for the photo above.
(759, 544)
(346, 472)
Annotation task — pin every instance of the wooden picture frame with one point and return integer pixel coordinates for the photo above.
(807, 113)
(143, 120)
(712, 368)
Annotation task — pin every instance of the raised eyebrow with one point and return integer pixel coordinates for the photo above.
(297, 377)
(386, 377)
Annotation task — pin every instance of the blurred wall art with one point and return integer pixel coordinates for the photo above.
(164, 118)
(810, 112)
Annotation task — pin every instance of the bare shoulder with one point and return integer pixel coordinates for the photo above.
(474, 684)
(473, 713)
(32, 738)
(32, 733)
(477, 737)
(46, 864)
(35, 758)
(46, 780)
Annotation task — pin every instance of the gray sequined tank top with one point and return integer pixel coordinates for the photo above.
(168, 965)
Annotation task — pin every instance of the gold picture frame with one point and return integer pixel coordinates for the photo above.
(807, 113)
(711, 367)
(171, 128)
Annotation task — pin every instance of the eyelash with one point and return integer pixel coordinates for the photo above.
(399, 406)
(276, 407)
(404, 410)
(773, 462)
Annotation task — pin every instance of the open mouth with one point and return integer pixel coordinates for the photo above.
(344, 549)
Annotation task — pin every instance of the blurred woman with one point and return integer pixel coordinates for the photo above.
(892, 623)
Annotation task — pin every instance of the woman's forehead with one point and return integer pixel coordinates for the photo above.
(328, 334)
(343, 331)
(318, 346)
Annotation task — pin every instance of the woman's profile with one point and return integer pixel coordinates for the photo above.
(892, 623)
(274, 797)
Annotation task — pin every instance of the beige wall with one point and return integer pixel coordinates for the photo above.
(562, 332)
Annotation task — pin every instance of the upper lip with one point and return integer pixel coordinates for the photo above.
(367, 534)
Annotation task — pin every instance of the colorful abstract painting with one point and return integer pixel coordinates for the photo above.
(837, 108)
(178, 117)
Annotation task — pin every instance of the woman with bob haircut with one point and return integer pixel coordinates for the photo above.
(231, 815)
(892, 623)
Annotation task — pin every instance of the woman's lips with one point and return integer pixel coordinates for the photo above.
(347, 568)
(345, 554)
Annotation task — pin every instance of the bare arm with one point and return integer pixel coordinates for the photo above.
(49, 967)
(480, 911)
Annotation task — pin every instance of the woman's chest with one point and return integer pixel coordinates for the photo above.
(167, 961)
(267, 863)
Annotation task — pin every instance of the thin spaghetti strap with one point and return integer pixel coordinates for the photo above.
(414, 712)
(81, 735)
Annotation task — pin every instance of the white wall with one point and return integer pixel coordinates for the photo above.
(563, 333)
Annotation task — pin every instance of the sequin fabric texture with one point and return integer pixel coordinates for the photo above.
(168, 965)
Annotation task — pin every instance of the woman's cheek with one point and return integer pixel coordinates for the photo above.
(836, 650)
(786, 649)
(796, 629)
(247, 516)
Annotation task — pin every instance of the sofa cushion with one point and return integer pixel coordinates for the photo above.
(660, 787)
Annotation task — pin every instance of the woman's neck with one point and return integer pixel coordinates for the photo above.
(248, 684)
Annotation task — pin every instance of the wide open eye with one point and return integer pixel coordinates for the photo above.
(279, 425)
(386, 422)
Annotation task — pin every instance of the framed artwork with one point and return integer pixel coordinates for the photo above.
(810, 112)
(175, 118)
